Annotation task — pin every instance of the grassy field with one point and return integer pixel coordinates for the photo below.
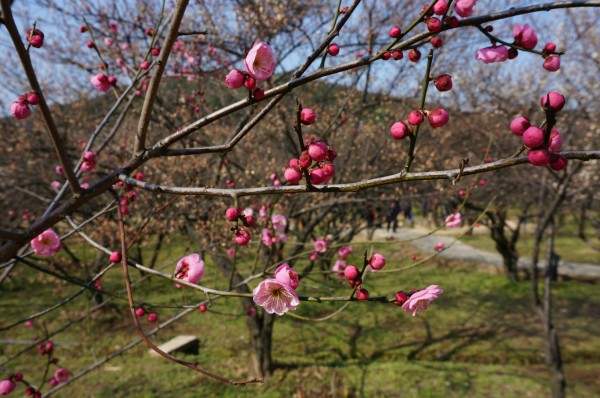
(479, 339)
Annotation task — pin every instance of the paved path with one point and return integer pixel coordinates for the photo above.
(465, 252)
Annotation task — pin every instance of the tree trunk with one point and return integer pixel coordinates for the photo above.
(553, 357)
(260, 324)
(260, 327)
(505, 246)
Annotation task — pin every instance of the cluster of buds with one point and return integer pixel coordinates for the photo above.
(317, 160)
(103, 82)
(89, 161)
(437, 118)
(236, 79)
(141, 311)
(544, 147)
(525, 38)
(260, 65)
(130, 195)
(241, 236)
(20, 108)
(354, 276)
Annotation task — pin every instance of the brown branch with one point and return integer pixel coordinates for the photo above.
(59, 147)
(349, 187)
(152, 91)
(192, 365)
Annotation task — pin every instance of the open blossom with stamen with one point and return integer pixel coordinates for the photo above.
(279, 222)
(453, 220)
(287, 275)
(47, 243)
(420, 301)
(61, 375)
(275, 297)
(320, 245)
(260, 61)
(190, 268)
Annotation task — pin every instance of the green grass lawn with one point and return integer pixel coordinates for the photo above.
(479, 339)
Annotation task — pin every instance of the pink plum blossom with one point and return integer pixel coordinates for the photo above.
(55, 185)
(260, 61)
(275, 297)
(314, 256)
(338, 268)
(439, 247)
(376, 262)
(89, 161)
(519, 124)
(552, 63)
(420, 301)
(7, 386)
(267, 239)
(61, 375)
(307, 116)
(287, 275)
(492, 54)
(20, 110)
(100, 82)
(279, 222)
(320, 245)
(344, 251)
(231, 252)
(525, 36)
(190, 268)
(47, 243)
(437, 117)
(440, 7)
(464, 8)
(234, 79)
(241, 237)
(400, 130)
(453, 220)
(36, 39)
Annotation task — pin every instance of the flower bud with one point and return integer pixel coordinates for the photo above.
(533, 137)
(307, 116)
(232, 214)
(377, 261)
(400, 130)
(415, 117)
(333, 49)
(443, 82)
(553, 100)
(519, 124)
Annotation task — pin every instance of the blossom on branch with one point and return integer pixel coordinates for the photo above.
(453, 220)
(275, 297)
(464, 8)
(525, 36)
(420, 301)
(260, 61)
(47, 243)
(492, 54)
(190, 268)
